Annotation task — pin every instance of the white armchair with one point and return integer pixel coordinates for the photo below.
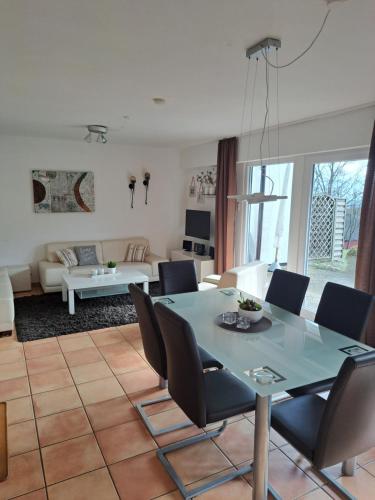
(251, 278)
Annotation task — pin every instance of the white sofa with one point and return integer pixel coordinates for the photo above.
(6, 303)
(251, 278)
(51, 270)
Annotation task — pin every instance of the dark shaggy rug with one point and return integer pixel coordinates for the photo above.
(43, 316)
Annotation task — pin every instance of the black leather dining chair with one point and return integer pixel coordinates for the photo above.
(154, 348)
(336, 430)
(205, 397)
(287, 290)
(178, 276)
(344, 310)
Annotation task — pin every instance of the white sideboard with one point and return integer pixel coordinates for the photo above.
(204, 265)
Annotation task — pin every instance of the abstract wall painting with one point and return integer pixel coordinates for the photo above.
(63, 191)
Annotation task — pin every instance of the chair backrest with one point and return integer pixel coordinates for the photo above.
(287, 290)
(185, 371)
(178, 276)
(347, 427)
(344, 310)
(153, 343)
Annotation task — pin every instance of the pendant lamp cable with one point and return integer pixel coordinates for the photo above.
(265, 117)
(252, 108)
(277, 66)
(245, 98)
(277, 107)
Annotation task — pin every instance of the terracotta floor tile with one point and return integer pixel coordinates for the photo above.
(141, 478)
(100, 390)
(75, 343)
(110, 413)
(83, 356)
(198, 461)
(12, 370)
(138, 380)
(96, 485)
(11, 356)
(172, 417)
(35, 495)
(128, 362)
(63, 426)
(106, 338)
(235, 489)
(175, 495)
(14, 388)
(45, 364)
(368, 456)
(130, 331)
(303, 464)
(25, 475)
(71, 458)
(11, 343)
(57, 401)
(36, 350)
(56, 379)
(92, 371)
(317, 494)
(361, 485)
(237, 441)
(216, 425)
(370, 467)
(112, 350)
(153, 393)
(19, 410)
(124, 441)
(287, 479)
(22, 438)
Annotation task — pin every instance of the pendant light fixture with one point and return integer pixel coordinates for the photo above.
(257, 51)
(99, 130)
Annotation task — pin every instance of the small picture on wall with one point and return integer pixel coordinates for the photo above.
(63, 191)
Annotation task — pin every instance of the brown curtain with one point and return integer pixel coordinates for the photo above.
(365, 269)
(225, 209)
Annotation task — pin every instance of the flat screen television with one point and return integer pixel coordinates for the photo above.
(197, 224)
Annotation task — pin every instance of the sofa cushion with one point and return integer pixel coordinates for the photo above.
(86, 255)
(52, 247)
(67, 256)
(116, 249)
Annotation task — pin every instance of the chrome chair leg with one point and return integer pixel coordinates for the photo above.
(189, 494)
(146, 419)
(349, 466)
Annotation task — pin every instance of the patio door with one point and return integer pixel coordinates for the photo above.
(332, 239)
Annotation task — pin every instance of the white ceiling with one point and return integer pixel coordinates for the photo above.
(68, 63)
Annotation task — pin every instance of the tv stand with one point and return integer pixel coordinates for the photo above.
(204, 265)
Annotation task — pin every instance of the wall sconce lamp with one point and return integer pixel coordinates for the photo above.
(133, 180)
(146, 183)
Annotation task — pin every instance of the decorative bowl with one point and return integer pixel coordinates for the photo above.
(253, 316)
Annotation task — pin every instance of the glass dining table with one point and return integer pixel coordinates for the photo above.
(293, 352)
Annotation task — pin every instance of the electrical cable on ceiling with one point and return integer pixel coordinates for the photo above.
(276, 66)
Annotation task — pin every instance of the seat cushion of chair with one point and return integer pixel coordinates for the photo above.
(298, 420)
(226, 396)
(322, 386)
(208, 361)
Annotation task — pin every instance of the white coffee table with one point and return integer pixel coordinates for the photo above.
(99, 286)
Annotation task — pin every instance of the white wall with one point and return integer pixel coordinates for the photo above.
(335, 131)
(23, 232)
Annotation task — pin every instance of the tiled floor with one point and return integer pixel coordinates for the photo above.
(74, 432)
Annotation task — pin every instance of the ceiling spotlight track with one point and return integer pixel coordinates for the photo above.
(100, 130)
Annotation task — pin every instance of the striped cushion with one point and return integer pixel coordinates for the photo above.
(67, 257)
(136, 253)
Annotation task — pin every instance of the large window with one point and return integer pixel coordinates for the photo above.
(267, 224)
(335, 210)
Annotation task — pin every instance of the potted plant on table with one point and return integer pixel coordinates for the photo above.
(249, 309)
(111, 265)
